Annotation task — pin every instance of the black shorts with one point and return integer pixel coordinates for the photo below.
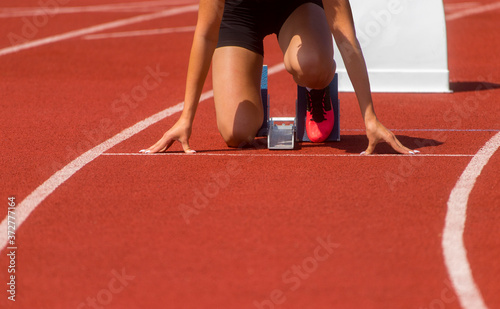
(245, 23)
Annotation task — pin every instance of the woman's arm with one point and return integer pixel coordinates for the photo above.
(204, 43)
(339, 16)
(342, 26)
(202, 50)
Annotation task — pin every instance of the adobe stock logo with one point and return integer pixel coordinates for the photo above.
(31, 26)
(296, 274)
(104, 297)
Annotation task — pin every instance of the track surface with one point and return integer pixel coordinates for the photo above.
(320, 227)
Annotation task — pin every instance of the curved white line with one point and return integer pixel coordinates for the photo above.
(127, 34)
(455, 254)
(97, 28)
(46, 9)
(26, 207)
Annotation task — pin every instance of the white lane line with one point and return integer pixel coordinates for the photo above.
(431, 130)
(24, 209)
(276, 68)
(126, 34)
(279, 155)
(117, 7)
(449, 7)
(455, 254)
(474, 11)
(96, 28)
(32, 201)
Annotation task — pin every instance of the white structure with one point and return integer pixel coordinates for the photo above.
(404, 44)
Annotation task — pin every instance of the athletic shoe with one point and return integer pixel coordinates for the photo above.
(319, 115)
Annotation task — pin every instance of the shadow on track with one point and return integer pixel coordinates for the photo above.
(358, 143)
(469, 86)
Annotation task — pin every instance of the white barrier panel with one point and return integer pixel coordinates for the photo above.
(404, 44)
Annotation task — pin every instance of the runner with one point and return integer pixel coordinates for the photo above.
(229, 34)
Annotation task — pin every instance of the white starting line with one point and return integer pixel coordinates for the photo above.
(208, 154)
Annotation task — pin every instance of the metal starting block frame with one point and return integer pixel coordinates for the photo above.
(281, 136)
(292, 129)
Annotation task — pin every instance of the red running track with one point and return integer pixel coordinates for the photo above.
(319, 227)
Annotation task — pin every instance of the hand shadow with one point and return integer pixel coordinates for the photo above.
(358, 143)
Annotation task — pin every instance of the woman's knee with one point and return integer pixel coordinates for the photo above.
(312, 69)
(237, 136)
(240, 125)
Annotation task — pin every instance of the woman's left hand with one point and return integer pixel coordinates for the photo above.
(376, 133)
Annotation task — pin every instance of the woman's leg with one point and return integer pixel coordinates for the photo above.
(306, 42)
(307, 45)
(236, 81)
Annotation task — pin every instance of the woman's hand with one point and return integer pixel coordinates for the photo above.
(376, 133)
(181, 131)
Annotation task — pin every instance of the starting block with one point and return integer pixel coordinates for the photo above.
(283, 132)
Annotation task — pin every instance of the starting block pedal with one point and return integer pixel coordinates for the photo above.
(281, 136)
(283, 132)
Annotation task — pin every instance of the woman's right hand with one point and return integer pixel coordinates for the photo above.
(181, 131)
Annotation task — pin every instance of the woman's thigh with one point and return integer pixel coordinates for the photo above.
(306, 41)
(236, 83)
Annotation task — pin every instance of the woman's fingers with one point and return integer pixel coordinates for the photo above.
(383, 134)
(179, 132)
(185, 146)
(160, 146)
(397, 146)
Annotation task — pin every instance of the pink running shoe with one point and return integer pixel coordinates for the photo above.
(319, 115)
